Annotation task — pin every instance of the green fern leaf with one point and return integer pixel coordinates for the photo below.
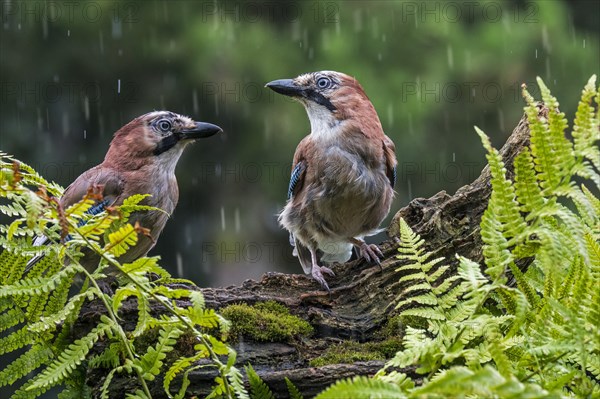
(206, 318)
(502, 219)
(26, 392)
(17, 340)
(78, 209)
(292, 390)
(595, 203)
(557, 124)
(470, 272)
(152, 361)
(35, 357)
(121, 240)
(426, 313)
(258, 389)
(69, 359)
(11, 318)
(55, 318)
(12, 229)
(144, 317)
(37, 286)
(96, 226)
(142, 266)
(362, 388)
(486, 382)
(593, 249)
(236, 380)
(104, 394)
(585, 128)
(109, 358)
(12, 266)
(121, 294)
(198, 302)
(178, 367)
(527, 189)
(132, 204)
(424, 299)
(541, 146)
(139, 394)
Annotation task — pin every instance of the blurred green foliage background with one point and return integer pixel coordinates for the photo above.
(73, 72)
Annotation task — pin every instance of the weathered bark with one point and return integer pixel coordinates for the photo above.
(361, 297)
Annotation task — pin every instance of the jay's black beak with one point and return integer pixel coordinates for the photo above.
(287, 87)
(200, 131)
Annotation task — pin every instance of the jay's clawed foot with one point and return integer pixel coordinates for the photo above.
(317, 271)
(370, 252)
(317, 274)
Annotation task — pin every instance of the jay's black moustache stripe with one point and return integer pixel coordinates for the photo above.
(166, 144)
(320, 99)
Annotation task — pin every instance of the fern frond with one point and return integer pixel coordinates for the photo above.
(470, 272)
(55, 318)
(12, 266)
(26, 392)
(258, 388)
(142, 266)
(152, 361)
(17, 340)
(78, 209)
(362, 388)
(121, 240)
(292, 390)
(557, 124)
(11, 318)
(486, 382)
(37, 285)
(138, 394)
(585, 128)
(109, 358)
(26, 363)
(178, 367)
(424, 312)
(527, 190)
(502, 219)
(144, 317)
(236, 381)
(132, 204)
(69, 359)
(595, 203)
(93, 227)
(541, 147)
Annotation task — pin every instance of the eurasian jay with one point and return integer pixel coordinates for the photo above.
(343, 173)
(141, 159)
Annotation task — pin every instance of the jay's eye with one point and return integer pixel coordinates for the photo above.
(323, 83)
(164, 125)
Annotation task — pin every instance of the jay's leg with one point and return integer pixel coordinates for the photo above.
(370, 252)
(317, 271)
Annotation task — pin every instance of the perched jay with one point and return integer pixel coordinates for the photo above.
(141, 159)
(343, 173)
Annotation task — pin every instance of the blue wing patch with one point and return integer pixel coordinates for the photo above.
(295, 178)
(94, 210)
(393, 182)
(41, 240)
